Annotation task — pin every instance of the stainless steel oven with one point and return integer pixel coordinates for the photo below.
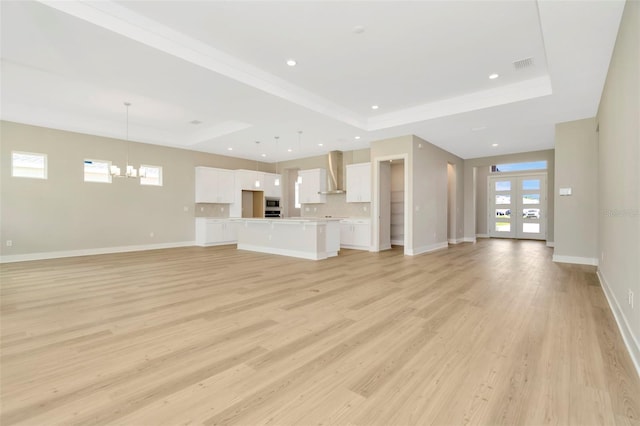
(272, 207)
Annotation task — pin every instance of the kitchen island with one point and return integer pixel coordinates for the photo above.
(307, 238)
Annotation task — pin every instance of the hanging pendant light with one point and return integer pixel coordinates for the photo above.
(257, 182)
(129, 171)
(277, 181)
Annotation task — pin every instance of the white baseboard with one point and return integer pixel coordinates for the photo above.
(633, 347)
(427, 249)
(551, 244)
(469, 239)
(455, 240)
(482, 235)
(575, 259)
(397, 242)
(90, 252)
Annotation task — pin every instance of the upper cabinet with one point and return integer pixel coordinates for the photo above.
(313, 181)
(215, 185)
(359, 183)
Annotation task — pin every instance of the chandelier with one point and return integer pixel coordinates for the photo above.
(129, 171)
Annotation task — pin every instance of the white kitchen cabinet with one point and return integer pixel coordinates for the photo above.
(355, 233)
(313, 181)
(214, 185)
(359, 183)
(213, 232)
(247, 180)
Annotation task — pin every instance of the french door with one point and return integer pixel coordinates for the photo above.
(518, 206)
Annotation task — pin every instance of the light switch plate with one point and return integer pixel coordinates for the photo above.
(565, 191)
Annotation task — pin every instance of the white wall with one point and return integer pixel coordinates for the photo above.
(619, 180)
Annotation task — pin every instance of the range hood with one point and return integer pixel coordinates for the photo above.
(335, 181)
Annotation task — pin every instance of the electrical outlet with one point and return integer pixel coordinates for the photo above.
(185, 208)
(151, 234)
(631, 299)
(201, 209)
(364, 208)
(9, 243)
(221, 209)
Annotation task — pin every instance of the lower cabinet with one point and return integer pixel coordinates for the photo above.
(215, 232)
(355, 234)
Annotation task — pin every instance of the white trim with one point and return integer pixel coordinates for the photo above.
(482, 235)
(633, 347)
(455, 240)
(575, 259)
(90, 252)
(469, 240)
(397, 242)
(286, 252)
(356, 247)
(375, 202)
(427, 249)
(219, 243)
(551, 244)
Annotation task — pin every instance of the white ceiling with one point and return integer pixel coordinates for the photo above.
(71, 65)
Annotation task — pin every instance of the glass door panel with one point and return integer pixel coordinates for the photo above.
(517, 205)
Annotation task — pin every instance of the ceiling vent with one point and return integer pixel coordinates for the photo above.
(523, 63)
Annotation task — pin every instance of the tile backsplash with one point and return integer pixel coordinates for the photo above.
(336, 206)
(211, 210)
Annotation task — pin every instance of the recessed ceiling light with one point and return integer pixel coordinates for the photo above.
(263, 155)
(289, 150)
(358, 29)
(357, 137)
(320, 144)
(291, 62)
(494, 145)
(229, 149)
(494, 76)
(374, 106)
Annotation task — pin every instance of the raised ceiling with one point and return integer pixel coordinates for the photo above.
(71, 65)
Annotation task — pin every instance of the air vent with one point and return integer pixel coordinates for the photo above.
(523, 63)
(196, 122)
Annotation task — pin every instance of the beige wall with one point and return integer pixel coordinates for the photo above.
(426, 195)
(63, 213)
(475, 189)
(430, 193)
(619, 178)
(576, 215)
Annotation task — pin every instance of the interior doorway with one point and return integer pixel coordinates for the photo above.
(518, 206)
(390, 218)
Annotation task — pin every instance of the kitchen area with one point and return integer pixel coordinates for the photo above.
(248, 208)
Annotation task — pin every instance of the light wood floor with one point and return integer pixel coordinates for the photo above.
(490, 333)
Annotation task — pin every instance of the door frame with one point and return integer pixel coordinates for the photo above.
(543, 196)
(375, 222)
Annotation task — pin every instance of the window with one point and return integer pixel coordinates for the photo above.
(150, 175)
(517, 167)
(97, 171)
(29, 165)
(297, 195)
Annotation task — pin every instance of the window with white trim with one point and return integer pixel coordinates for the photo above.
(28, 165)
(150, 175)
(97, 171)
